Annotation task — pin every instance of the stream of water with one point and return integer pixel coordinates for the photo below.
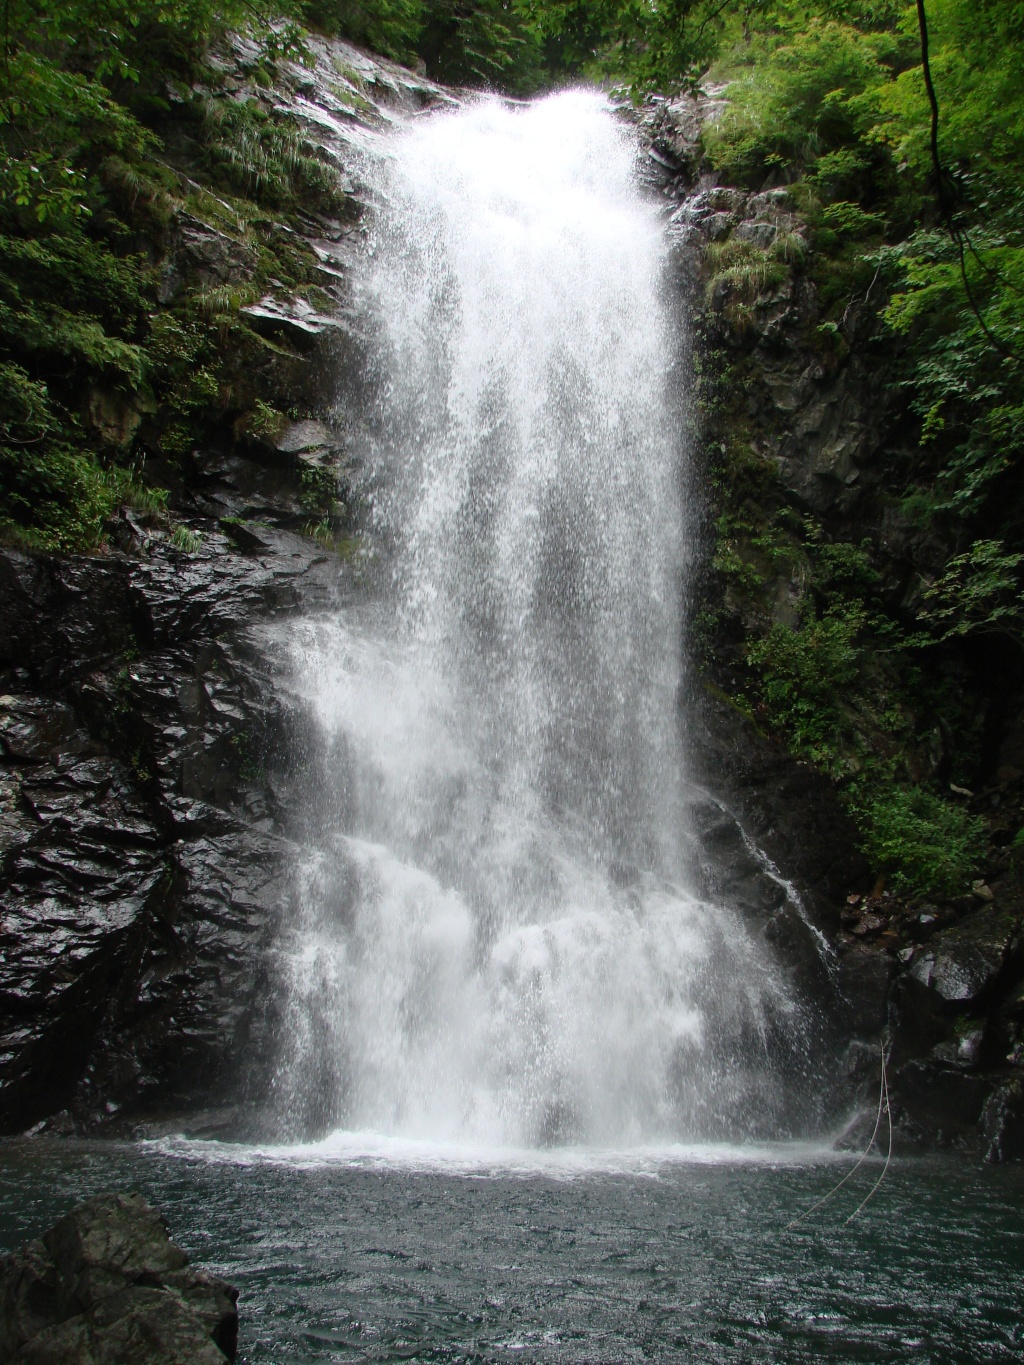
(507, 940)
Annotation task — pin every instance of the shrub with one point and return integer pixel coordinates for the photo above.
(804, 98)
(804, 673)
(926, 844)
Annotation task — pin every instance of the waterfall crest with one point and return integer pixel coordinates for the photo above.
(507, 939)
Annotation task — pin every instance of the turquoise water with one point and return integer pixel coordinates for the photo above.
(660, 1256)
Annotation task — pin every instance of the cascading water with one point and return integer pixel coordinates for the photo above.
(506, 941)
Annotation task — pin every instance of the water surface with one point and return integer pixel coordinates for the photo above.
(571, 1258)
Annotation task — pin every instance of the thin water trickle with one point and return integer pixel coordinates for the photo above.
(506, 941)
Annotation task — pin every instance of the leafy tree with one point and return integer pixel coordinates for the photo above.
(484, 43)
(805, 100)
(390, 27)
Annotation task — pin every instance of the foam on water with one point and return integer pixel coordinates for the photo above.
(380, 1151)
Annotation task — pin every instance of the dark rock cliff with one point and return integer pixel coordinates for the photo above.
(150, 758)
(805, 438)
(147, 757)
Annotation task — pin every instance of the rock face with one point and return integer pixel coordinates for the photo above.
(809, 429)
(149, 752)
(107, 1286)
(145, 759)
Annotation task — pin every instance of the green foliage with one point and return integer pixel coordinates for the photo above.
(255, 154)
(813, 95)
(926, 844)
(980, 592)
(742, 274)
(391, 27)
(815, 684)
(830, 100)
(319, 488)
(485, 43)
(744, 269)
(965, 372)
(78, 186)
(488, 44)
(187, 541)
(264, 421)
(51, 191)
(961, 305)
(845, 569)
(52, 494)
(804, 674)
(847, 219)
(652, 47)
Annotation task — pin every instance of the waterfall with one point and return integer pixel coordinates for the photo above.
(504, 936)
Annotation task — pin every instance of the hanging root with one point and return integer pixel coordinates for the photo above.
(883, 1104)
(888, 1155)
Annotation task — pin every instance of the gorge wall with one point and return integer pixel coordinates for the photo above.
(809, 446)
(154, 758)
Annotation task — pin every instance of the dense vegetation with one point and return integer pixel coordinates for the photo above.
(900, 687)
(914, 243)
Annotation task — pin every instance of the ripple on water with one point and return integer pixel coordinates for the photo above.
(668, 1259)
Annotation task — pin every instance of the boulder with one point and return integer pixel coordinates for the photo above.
(107, 1286)
(961, 965)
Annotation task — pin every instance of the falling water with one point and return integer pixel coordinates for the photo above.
(505, 940)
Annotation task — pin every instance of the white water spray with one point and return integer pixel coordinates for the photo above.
(505, 943)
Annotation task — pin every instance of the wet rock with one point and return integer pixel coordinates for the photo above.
(313, 446)
(869, 924)
(674, 128)
(141, 814)
(761, 235)
(963, 1051)
(293, 319)
(1002, 1123)
(33, 729)
(961, 965)
(944, 1103)
(203, 255)
(863, 1132)
(60, 617)
(787, 809)
(300, 437)
(107, 1286)
(864, 978)
(732, 869)
(114, 417)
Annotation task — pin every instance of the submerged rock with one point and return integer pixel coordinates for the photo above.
(107, 1286)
